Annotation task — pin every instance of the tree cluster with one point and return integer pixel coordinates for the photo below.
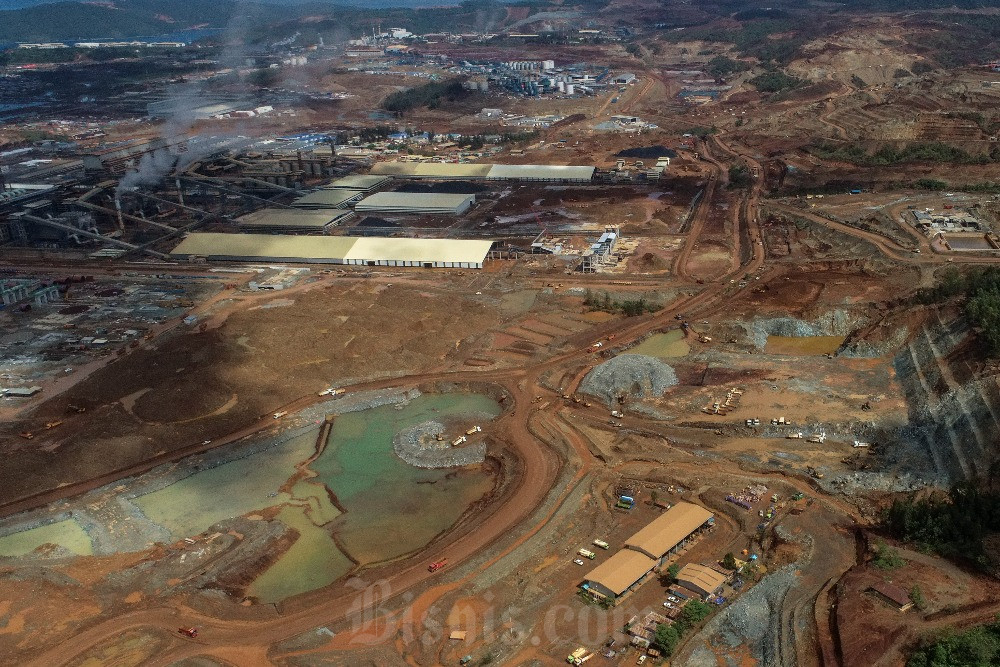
(978, 647)
(627, 307)
(887, 155)
(954, 525)
(431, 95)
(667, 637)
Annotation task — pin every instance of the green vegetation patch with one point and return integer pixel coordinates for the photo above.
(775, 82)
(935, 151)
(627, 307)
(977, 647)
(953, 525)
(430, 95)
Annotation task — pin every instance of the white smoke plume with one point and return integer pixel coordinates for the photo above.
(185, 99)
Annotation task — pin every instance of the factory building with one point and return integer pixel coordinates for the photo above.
(328, 199)
(432, 170)
(14, 291)
(287, 221)
(416, 203)
(601, 253)
(358, 182)
(624, 79)
(541, 172)
(426, 253)
(494, 172)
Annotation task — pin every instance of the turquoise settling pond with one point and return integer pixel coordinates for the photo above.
(389, 507)
(392, 508)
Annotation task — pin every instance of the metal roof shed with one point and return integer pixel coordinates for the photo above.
(432, 170)
(668, 530)
(359, 182)
(416, 202)
(541, 172)
(619, 573)
(701, 579)
(328, 199)
(292, 220)
(266, 247)
(428, 253)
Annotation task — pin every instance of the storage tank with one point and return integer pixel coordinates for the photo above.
(570, 89)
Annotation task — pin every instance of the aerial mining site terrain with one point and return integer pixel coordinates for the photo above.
(527, 334)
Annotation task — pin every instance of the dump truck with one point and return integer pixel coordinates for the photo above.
(437, 565)
(474, 429)
(587, 554)
(188, 632)
(602, 544)
(576, 657)
(279, 415)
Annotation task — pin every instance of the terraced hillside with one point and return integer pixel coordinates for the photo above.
(953, 414)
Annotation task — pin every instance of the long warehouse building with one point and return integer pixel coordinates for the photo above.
(645, 551)
(290, 220)
(415, 203)
(364, 251)
(493, 172)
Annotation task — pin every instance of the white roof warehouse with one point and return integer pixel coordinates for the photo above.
(365, 251)
(415, 202)
(495, 172)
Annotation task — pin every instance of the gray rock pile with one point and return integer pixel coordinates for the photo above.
(638, 375)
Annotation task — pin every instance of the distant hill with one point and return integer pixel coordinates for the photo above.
(42, 20)
(60, 21)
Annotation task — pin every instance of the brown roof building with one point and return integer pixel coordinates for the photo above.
(664, 533)
(645, 550)
(619, 573)
(701, 579)
(892, 595)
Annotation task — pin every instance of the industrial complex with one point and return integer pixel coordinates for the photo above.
(526, 334)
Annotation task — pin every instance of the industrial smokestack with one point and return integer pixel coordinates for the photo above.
(118, 207)
(180, 190)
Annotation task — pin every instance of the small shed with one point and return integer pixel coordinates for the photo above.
(457, 635)
(892, 595)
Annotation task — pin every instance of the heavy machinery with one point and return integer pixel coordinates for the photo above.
(437, 565)
(188, 632)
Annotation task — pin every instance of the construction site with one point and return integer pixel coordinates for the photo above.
(303, 397)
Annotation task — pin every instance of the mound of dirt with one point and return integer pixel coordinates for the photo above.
(647, 152)
(651, 262)
(634, 374)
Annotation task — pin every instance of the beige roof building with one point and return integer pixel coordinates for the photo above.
(328, 199)
(701, 579)
(359, 182)
(619, 573)
(668, 530)
(266, 247)
(516, 172)
(540, 172)
(440, 170)
(418, 252)
(416, 203)
(292, 220)
(426, 253)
